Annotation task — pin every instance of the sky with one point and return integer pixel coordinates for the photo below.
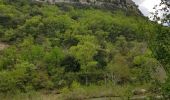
(146, 6)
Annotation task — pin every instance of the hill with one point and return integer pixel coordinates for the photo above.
(78, 53)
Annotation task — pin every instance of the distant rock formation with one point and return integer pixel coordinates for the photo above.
(121, 4)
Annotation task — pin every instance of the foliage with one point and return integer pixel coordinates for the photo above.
(166, 89)
(53, 47)
(163, 8)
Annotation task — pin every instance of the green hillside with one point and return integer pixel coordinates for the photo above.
(75, 54)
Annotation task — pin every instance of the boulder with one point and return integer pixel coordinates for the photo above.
(158, 97)
(139, 98)
(139, 91)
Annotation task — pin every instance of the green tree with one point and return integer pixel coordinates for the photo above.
(18, 79)
(161, 46)
(166, 88)
(119, 69)
(162, 12)
(71, 64)
(85, 52)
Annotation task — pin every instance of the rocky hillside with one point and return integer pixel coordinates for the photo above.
(110, 4)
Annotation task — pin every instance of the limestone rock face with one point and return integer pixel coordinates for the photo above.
(122, 4)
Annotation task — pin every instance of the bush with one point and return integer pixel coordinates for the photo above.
(18, 79)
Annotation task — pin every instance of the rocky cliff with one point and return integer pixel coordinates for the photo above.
(111, 4)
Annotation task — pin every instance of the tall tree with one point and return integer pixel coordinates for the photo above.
(162, 12)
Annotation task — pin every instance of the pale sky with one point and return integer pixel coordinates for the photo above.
(146, 6)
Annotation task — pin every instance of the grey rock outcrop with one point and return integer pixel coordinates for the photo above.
(139, 91)
(119, 4)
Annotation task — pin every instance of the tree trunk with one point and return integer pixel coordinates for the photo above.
(86, 80)
(105, 79)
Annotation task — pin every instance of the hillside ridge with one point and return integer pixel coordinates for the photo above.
(111, 4)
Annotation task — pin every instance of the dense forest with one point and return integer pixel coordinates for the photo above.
(81, 53)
